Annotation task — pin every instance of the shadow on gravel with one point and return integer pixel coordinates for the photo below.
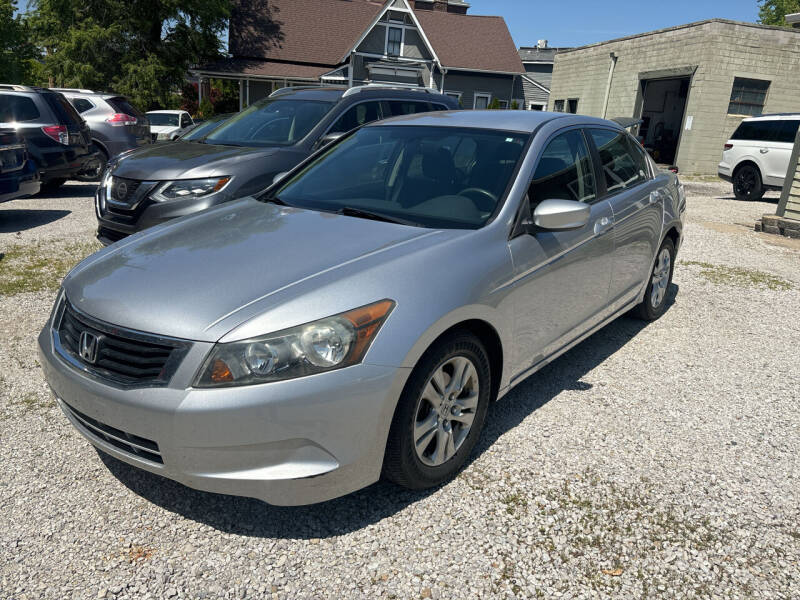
(24, 219)
(78, 190)
(245, 516)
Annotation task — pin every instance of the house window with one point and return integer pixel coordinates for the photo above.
(572, 106)
(558, 106)
(536, 106)
(748, 96)
(482, 101)
(503, 104)
(394, 41)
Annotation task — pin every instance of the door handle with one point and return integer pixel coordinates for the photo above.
(764, 150)
(655, 196)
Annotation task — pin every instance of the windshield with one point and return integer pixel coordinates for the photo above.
(161, 119)
(205, 128)
(442, 177)
(271, 122)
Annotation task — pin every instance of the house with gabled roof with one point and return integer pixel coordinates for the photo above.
(414, 43)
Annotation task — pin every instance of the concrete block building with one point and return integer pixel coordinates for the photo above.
(692, 85)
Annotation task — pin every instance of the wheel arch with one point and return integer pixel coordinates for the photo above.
(101, 146)
(747, 161)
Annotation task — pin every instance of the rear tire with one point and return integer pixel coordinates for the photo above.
(747, 183)
(655, 296)
(95, 172)
(440, 414)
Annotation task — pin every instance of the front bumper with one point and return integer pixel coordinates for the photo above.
(287, 443)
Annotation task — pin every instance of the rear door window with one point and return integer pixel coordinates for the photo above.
(622, 167)
(398, 108)
(788, 131)
(758, 131)
(64, 111)
(16, 109)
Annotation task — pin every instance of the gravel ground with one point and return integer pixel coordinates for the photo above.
(650, 461)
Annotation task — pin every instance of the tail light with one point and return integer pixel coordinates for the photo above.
(728, 146)
(57, 133)
(121, 120)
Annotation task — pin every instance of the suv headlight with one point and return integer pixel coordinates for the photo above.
(325, 345)
(189, 188)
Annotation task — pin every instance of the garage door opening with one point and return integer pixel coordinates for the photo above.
(663, 111)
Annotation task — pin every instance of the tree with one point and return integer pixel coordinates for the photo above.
(773, 12)
(494, 105)
(140, 48)
(17, 54)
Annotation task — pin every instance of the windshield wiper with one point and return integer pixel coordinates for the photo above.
(349, 211)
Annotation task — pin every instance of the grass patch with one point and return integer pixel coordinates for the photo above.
(40, 267)
(737, 276)
(515, 502)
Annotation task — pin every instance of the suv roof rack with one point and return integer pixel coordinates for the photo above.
(389, 86)
(75, 90)
(18, 88)
(286, 90)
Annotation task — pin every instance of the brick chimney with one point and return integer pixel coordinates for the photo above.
(440, 5)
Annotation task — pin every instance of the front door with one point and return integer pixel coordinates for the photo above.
(637, 200)
(561, 278)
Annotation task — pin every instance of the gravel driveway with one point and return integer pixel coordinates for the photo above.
(650, 461)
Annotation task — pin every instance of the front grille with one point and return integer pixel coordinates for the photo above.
(127, 442)
(125, 357)
(124, 190)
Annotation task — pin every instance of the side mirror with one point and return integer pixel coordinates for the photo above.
(329, 139)
(561, 215)
(279, 176)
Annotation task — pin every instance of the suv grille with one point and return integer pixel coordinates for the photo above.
(125, 357)
(127, 442)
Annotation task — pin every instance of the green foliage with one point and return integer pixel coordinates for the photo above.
(495, 104)
(140, 48)
(773, 12)
(206, 109)
(17, 54)
(514, 105)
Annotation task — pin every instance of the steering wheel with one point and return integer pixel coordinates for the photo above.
(480, 200)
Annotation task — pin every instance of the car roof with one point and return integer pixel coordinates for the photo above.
(524, 121)
(775, 117)
(334, 93)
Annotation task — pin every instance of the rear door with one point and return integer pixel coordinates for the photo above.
(779, 150)
(637, 202)
(66, 114)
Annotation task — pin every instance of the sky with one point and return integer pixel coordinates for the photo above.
(580, 22)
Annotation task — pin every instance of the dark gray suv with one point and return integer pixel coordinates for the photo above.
(114, 123)
(243, 155)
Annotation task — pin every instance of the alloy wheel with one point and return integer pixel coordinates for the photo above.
(445, 411)
(660, 278)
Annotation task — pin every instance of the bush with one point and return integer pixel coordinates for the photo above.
(494, 105)
(206, 109)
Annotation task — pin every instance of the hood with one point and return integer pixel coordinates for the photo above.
(186, 160)
(185, 278)
(163, 128)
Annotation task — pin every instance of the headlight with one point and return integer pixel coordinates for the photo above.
(325, 345)
(189, 188)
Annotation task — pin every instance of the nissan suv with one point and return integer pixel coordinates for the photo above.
(757, 156)
(243, 155)
(57, 138)
(115, 126)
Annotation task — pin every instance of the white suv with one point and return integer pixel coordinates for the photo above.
(757, 156)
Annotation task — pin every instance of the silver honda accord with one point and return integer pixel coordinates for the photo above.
(356, 319)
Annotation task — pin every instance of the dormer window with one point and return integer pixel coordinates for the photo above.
(394, 41)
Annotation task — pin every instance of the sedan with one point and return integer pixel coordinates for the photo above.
(356, 320)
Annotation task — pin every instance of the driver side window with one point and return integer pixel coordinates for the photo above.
(564, 171)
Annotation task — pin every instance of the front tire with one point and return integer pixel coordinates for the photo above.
(440, 414)
(655, 296)
(95, 170)
(747, 183)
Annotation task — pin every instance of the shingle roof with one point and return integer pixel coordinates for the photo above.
(265, 68)
(307, 31)
(471, 41)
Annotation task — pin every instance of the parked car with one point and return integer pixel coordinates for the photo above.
(358, 317)
(168, 124)
(19, 176)
(757, 156)
(57, 138)
(115, 125)
(243, 155)
(202, 128)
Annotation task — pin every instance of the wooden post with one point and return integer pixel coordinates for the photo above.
(790, 196)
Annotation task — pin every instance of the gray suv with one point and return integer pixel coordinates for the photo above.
(115, 125)
(243, 155)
